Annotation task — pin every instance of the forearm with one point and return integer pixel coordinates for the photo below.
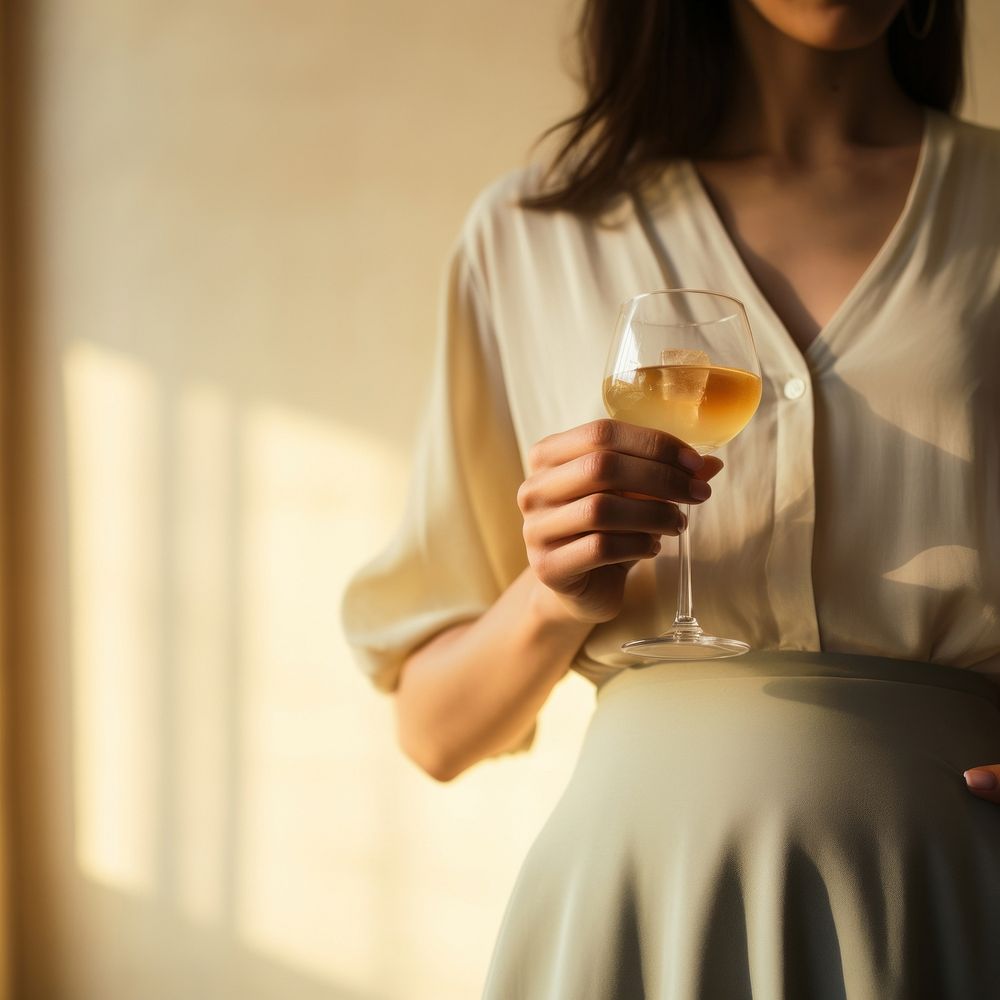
(474, 689)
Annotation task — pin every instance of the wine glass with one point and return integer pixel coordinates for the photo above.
(683, 361)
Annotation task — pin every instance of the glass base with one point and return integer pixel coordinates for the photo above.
(679, 646)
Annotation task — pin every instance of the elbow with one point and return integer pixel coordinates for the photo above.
(436, 765)
(420, 741)
(442, 771)
(432, 758)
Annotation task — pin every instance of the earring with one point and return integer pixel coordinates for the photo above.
(921, 33)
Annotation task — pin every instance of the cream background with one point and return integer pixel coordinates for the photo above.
(233, 240)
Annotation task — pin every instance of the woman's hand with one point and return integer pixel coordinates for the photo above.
(984, 781)
(597, 500)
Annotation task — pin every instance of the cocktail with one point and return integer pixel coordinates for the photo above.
(683, 361)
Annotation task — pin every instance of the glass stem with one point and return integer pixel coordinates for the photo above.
(685, 622)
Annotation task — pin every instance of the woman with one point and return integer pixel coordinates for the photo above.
(792, 823)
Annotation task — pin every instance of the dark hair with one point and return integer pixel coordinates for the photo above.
(656, 77)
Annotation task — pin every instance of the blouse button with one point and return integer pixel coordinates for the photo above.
(794, 388)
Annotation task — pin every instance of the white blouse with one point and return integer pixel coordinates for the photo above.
(858, 512)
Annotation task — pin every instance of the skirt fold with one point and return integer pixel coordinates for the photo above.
(779, 826)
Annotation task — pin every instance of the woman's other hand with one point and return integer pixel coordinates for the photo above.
(597, 500)
(984, 781)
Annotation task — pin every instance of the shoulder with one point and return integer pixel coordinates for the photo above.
(973, 146)
(505, 238)
(505, 193)
(497, 214)
(506, 243)
(968, 197)
(983, 138)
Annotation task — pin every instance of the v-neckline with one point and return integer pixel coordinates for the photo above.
(890, 246)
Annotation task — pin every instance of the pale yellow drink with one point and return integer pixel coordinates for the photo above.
(703, 405)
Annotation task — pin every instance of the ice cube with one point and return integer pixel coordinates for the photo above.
(686, 376)
(682, 356)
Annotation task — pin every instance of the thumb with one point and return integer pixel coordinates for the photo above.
(984, 781)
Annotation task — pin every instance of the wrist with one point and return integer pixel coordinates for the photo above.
(551, 614)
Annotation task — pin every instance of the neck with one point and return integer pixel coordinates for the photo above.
(801, 105)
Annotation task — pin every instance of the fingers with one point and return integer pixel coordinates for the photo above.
(984, 782)
(563, 566)
(603, 512)
(610, 472)
(617, 436)
(713, 466)
(598, 499)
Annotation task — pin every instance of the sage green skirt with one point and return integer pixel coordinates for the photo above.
(784, 826)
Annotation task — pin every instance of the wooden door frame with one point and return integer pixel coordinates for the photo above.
(11, 61)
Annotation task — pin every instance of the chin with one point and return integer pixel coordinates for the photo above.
(832, 25)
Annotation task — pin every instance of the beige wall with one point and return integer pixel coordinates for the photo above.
(982, 99)
(238, 218)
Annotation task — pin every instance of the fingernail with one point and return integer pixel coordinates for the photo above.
(981, 781)
(690, 459)
(700, 490)
(656, 548)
